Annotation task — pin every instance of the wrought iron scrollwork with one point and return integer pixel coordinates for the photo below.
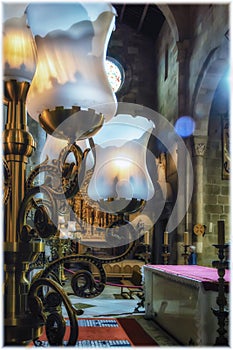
(49, 311)
(84, 285)
(45, 226)
(43, 223)
(46, 296)
(62, 181)
(47, 306)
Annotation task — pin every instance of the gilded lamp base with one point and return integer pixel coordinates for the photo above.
(71, 124)
(121, 205)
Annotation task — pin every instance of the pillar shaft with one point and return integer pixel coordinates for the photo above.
(199, 148)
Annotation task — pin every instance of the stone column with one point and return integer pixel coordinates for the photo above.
(183, 88)
(199, 148)
(183, 48)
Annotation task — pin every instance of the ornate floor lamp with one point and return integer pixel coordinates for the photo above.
(53, 57)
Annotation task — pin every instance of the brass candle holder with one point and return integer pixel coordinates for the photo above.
(222, 311)
(165, 254)
(185, 254)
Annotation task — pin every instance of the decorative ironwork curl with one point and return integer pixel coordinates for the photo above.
(38, 263)
(84, 284)
(47, 307)
(43, 223)
(44, 230)
(73, 174)
(55, 329)
(39, 308)
(97, 286)
(40, 168)
(69, 176)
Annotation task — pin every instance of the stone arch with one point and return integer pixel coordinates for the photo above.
(214, 67)
(170, 20)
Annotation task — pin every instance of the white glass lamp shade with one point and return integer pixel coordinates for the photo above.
(121, 181)
(19, 48)
(11, 10)
(53, 147)
(71, 40)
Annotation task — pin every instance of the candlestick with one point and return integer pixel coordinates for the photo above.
(222, 312)
(165, 238)
(186, 238)
(146, 238)
(221, 232)
(165, 253)
(210, 227)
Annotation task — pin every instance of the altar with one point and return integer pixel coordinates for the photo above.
(180, 299)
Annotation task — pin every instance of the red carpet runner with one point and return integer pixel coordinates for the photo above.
(108, 332)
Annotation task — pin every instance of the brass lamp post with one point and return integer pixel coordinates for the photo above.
(18, 145)
(58, 76)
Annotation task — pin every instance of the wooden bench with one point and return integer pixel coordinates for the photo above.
(122, 269)
(132, 285)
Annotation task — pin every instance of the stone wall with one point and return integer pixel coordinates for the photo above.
(136, 54)
(207, 28)
(210, 27)
(216, 186)
(167, 73)
(210, 24)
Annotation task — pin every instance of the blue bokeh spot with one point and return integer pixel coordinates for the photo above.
(185, 126)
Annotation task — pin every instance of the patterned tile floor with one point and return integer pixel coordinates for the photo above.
(106, 305)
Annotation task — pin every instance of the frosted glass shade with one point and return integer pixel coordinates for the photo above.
(71, 40)
(53, 147)
(10, 10)
(19, 48)
(121, 180)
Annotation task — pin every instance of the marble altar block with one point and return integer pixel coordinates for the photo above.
(180, 297)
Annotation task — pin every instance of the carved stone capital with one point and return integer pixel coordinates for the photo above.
(199, 147)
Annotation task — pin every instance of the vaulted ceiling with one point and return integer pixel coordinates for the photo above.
(146, 19)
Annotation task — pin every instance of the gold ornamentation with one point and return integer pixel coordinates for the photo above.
(199, 229)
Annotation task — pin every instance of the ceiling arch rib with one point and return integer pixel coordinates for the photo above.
(209, 77)
(146, 19)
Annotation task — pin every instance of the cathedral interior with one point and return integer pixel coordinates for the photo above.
(116, 164)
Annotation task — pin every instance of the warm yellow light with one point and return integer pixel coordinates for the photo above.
(19, 50)
(122, 163)
(121, 171)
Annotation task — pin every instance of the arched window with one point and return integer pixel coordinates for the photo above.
(115, 72)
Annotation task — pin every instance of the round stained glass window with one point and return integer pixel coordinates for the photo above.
(115, 73)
